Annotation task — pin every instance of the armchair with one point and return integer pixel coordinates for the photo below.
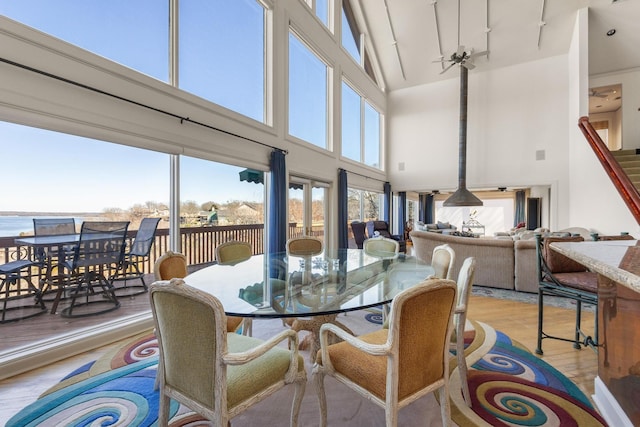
(216, 374)
(173, 265)
(382, 229)
(394, 367)
(359, 233)
(442, 260)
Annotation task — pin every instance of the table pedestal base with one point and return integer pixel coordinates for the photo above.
(313, 324)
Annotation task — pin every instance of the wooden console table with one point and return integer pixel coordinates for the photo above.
(617, 387)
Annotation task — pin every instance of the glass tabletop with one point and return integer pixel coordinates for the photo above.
(306, 286)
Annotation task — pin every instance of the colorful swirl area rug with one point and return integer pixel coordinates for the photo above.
(509, 386)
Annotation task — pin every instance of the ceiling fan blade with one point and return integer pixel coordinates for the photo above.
(468, 65)
(441, 61)
(476, 54)
(447, 69)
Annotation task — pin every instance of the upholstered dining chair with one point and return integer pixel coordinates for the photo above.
(381, 247)
(217, 374)
(169, 265)
(233, 252)
(396, 366)
(442, 261)
(465, 284)
(172, 265)
(304, 246)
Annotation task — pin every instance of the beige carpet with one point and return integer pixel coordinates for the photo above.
(344, 406)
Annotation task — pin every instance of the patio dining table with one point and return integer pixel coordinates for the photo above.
(54, 244)
(57, 244)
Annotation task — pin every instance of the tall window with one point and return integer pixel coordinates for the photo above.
(48, 182)
(360, 129)
(495, 215)
(350, 33)
(308, 94)
(214, 193)
(132, 33)
(351, 40)
(364, 205)
(321, 9)
(222, 59)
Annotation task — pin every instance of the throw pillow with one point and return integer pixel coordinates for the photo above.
(443, 225)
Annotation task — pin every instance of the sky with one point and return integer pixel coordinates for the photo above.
(56, 172)
(134, 33)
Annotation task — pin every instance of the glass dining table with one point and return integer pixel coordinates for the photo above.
(310, 291)
(281, 285)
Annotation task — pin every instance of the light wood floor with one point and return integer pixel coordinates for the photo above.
(516, 319)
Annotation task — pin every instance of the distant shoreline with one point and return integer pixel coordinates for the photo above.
(74, 214)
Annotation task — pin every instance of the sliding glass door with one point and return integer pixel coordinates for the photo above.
(307, 207)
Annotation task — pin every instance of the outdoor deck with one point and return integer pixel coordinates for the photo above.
(198, 244)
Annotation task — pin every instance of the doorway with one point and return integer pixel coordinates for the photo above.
(307, 207)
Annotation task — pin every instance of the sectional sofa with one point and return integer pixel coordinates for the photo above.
(500, 262)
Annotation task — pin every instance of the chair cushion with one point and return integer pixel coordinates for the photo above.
(233, 323)
(583, 281)
(368, 371)
(244, 381)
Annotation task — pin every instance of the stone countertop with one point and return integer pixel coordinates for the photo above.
(603, 257)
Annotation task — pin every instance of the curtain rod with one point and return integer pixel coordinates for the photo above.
(364, 176)
(130, 101)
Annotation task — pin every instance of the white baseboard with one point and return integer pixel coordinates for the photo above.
(45, 352)
(608, 406)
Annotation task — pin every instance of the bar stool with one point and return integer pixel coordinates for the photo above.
(13, 274)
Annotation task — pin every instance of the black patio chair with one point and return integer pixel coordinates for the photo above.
(129, 268)
(561, 276)
(16, 287)
(99, 250)
(48, 257)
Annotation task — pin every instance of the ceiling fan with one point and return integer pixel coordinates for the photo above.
(462, 57)
(603, 94)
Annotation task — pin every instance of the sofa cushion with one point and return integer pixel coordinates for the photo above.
(443, 225)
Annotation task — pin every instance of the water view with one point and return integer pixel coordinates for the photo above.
(14, 225)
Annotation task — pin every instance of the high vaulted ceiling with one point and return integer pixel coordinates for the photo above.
(409, 35)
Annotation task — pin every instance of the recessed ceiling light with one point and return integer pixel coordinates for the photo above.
(611, 32)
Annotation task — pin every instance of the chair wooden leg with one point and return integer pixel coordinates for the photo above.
(462, 363)
(163, 413)
(297, 401)
(445, 407)
(318, 377)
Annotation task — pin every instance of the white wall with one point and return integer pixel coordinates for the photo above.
(595, 203)
(512, 113)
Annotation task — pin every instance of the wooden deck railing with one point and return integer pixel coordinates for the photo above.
(617, 175)
(198, 243)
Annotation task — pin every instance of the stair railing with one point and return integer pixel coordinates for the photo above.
(617, 175)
